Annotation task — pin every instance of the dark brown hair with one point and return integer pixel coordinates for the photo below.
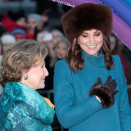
(74, 56)
(21, 57)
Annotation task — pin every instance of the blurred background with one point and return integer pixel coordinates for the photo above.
(40, 20)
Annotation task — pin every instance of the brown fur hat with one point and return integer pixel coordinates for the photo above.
(85, 17)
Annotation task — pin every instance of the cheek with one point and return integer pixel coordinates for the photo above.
(36, 77)
(57, 51)
(82, 41)
(39, 39)
(64, 51)
(100, 39)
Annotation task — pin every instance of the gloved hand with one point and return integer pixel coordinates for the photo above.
(105, 91)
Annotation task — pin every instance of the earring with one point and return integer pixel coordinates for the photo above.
(78, 42)
(25, 77)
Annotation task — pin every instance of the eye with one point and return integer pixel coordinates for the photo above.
(84, 35)
(43, 66)
(97, 34)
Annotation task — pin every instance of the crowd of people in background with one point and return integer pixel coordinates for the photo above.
(16, 26)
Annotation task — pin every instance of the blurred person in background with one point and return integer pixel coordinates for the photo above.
(22, 108)
(19, 34)
(19, 17)
(117, 48)
(45, 37)
(32, 21)
(57, 35)
(60, 52)
(12, 20)
(2, 31)
(6, 41)
(112, 38)
(61, 48)
(41, 35)
(36, 20)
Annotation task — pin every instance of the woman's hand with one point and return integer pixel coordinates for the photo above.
(105, 92)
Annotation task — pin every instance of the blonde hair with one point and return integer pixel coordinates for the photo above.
(21, 57)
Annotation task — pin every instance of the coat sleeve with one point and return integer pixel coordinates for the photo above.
(23, 117)
(68, 114)
(125, 111)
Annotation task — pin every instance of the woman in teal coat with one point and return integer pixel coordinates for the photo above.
(23, 71)
(90, 90)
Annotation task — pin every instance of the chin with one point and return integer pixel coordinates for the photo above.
(42, 87)
(59, 57)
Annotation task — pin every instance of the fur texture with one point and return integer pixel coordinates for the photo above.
(104, 93)
(85, 17)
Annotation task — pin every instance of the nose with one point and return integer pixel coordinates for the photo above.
(92, 40)
(46, 73)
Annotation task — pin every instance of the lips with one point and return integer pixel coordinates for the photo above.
(43, 79)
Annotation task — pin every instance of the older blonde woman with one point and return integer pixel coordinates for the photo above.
(23, 71)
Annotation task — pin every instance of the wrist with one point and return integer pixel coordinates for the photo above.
(98, 99)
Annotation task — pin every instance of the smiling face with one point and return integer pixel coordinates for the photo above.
(61, 50)
(6, 46)
(40, 36)
(36, 76)
(91, 41)
(56, 36)
(31, 24)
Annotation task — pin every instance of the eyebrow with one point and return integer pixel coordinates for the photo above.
(94, 32)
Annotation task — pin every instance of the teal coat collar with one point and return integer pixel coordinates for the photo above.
(95, 61)
(19, 91)
(23, 108)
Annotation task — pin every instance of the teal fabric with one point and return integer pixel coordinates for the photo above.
(128, 2)
(79, 112)
(24, 109)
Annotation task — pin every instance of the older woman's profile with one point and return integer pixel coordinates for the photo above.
(23, 71)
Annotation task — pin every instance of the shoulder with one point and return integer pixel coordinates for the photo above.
(61, 62)
(116, 60)
(62, 70)
(62, 65)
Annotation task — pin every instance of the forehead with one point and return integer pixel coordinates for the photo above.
(22, 18)
(91, 31)
(32, 19)
(62, 44)
(41, 34)
(55, 32)
(40, 62)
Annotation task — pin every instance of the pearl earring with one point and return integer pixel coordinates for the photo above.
(25, 77)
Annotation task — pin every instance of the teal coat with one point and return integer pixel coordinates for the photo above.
(23, 109)
(79, 112)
